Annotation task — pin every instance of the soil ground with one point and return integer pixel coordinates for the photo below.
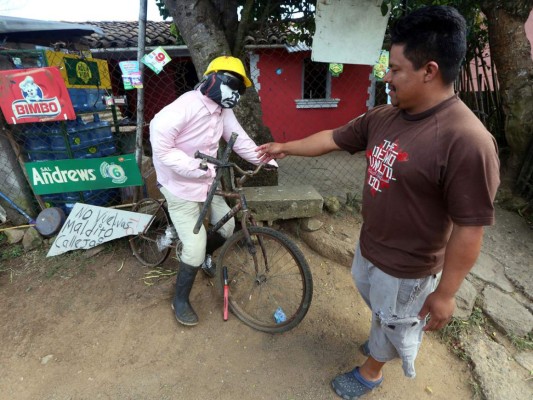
(79, 327)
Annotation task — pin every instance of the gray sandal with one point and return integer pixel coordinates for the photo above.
(352, 385)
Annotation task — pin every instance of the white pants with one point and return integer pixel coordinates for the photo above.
(184, 214)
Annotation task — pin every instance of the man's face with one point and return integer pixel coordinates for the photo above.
(405, 83)
(229, 97)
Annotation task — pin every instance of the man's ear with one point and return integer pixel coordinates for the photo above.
(431, 70)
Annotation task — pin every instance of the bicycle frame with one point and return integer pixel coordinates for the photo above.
(238, 194)
(247, 217)
(233, 211)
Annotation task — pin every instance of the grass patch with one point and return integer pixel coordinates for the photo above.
(453, 333)
(16, 262)
(522, 343)
(8, 252)
(11, 252)
(69, 264)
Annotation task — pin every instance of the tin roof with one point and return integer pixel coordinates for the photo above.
(26, 29)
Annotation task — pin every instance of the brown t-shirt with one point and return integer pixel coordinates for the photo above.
(424, 172)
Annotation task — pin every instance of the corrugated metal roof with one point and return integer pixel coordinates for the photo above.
(13, 28)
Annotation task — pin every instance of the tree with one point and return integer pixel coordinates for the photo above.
(511, 51)
(211, 28)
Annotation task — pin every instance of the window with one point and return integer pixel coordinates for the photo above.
(316, 86)
(316, 80)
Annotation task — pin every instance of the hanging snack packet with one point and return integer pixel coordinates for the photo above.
(156, 60)
(380, 69)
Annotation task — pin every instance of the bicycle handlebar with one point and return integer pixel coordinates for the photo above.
(220, 164)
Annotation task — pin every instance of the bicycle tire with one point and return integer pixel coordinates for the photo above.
(255, 295)
(145, 245)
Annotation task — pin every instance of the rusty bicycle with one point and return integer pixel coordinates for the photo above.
(270, 282)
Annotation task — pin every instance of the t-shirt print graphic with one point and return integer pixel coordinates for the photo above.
(381, 161)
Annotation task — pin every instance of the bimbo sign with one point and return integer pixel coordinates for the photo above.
(34, 95)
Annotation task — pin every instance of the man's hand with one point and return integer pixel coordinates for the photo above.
(440, 309)
(269, 151)
(461, 254)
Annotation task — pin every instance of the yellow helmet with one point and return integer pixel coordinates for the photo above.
(228, 63)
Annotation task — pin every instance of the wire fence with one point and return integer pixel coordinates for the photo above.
(297, 96)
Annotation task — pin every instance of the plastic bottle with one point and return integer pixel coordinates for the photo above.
(103, 137)
(279, 316)
(58, 141)
(36, 143)
(79, 99)
(94, 100)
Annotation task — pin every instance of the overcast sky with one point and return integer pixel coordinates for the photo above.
(78, 10)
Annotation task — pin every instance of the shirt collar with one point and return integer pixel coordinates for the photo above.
(211, 106)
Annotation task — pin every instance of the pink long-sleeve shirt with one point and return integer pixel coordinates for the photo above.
(193, 122)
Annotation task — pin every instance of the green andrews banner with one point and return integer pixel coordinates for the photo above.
(74, 175)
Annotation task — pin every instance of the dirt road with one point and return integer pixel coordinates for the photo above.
(90, 328)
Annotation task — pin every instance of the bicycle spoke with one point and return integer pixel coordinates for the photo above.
(146, 246)
(277, 277)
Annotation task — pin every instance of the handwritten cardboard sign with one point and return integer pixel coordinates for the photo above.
(88, 226)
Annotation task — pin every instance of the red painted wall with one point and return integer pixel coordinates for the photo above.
(280, 83)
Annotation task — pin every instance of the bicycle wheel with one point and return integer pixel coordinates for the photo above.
(147, 246)
(278, 279)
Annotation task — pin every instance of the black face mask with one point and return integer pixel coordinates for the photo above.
(223, 88)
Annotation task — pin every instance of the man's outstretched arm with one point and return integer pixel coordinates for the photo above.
(315, 145)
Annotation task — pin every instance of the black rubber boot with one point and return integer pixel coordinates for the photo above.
(214, 241)
(182, 308)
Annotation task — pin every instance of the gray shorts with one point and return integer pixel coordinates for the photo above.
(396, 331)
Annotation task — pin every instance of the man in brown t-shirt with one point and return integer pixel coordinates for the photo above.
(432, 175)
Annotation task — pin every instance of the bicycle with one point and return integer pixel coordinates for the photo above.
(270, 282)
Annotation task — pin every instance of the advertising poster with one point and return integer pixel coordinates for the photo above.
(74, 175)
(131, 76)
(34, 95)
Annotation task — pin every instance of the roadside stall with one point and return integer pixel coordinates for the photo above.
(63, 128)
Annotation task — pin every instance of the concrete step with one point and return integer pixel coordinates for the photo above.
(271, 203)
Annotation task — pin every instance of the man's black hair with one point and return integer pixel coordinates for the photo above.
(433, 33)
